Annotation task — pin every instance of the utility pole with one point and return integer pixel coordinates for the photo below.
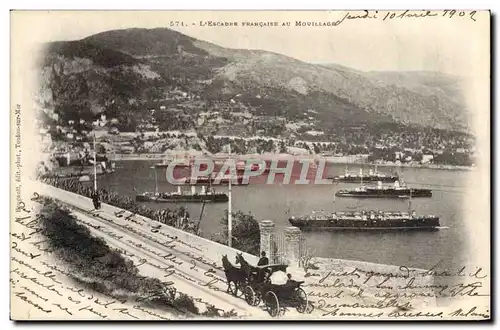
(229, 211)
(95, 166)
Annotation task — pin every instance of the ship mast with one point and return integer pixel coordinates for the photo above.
(229, 211)
(156, 181)
(361, 176)
(210, 189)
(400, 173)
(409, 204)
(401, 179)
(334, 193)
(95, 166)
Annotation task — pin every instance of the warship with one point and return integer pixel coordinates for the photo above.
(380, 191)
(193, 196)
(372, 176)
(366, 220)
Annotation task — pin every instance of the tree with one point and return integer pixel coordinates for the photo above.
(246, 233)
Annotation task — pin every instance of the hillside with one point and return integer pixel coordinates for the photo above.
(126, 72)
(446, 89)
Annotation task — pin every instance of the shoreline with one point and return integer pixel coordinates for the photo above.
(329, 159)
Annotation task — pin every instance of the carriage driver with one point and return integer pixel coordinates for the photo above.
(263, 261)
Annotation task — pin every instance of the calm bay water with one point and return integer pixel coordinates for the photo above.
(278, 202)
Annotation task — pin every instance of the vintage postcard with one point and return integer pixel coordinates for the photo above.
(256, 165)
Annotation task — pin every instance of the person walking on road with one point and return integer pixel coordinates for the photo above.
(96, 201)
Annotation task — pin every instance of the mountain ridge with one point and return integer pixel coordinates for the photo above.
(174, 60)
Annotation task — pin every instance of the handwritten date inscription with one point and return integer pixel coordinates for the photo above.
(386, 16)
(427, 13)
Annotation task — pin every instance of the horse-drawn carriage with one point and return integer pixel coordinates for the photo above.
(276, 297)
(257, 288)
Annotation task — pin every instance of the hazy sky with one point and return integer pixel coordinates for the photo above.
(452, 45)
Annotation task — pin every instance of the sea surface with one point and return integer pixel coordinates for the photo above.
(279, 201)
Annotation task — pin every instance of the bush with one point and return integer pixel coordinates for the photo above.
(213, 311)
(186, 303)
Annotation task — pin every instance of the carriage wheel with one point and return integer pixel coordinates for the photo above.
(257, 300)
(272, 304)
(233, 288)
(241, 293)
(302, 302)
(249, 295)
(310, 307)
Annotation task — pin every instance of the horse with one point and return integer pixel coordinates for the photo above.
(233, 275)
(249, 270)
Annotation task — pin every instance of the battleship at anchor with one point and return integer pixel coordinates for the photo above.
(398, 190)
(372, 176)
(204, 195)
(366, 220)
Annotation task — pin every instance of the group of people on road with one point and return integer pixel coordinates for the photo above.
(178, 218)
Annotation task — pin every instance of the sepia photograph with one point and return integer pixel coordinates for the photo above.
(250, 165)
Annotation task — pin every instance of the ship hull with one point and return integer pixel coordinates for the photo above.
(370, 229)
(222, 198)
(418, 223)
(386, 193)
